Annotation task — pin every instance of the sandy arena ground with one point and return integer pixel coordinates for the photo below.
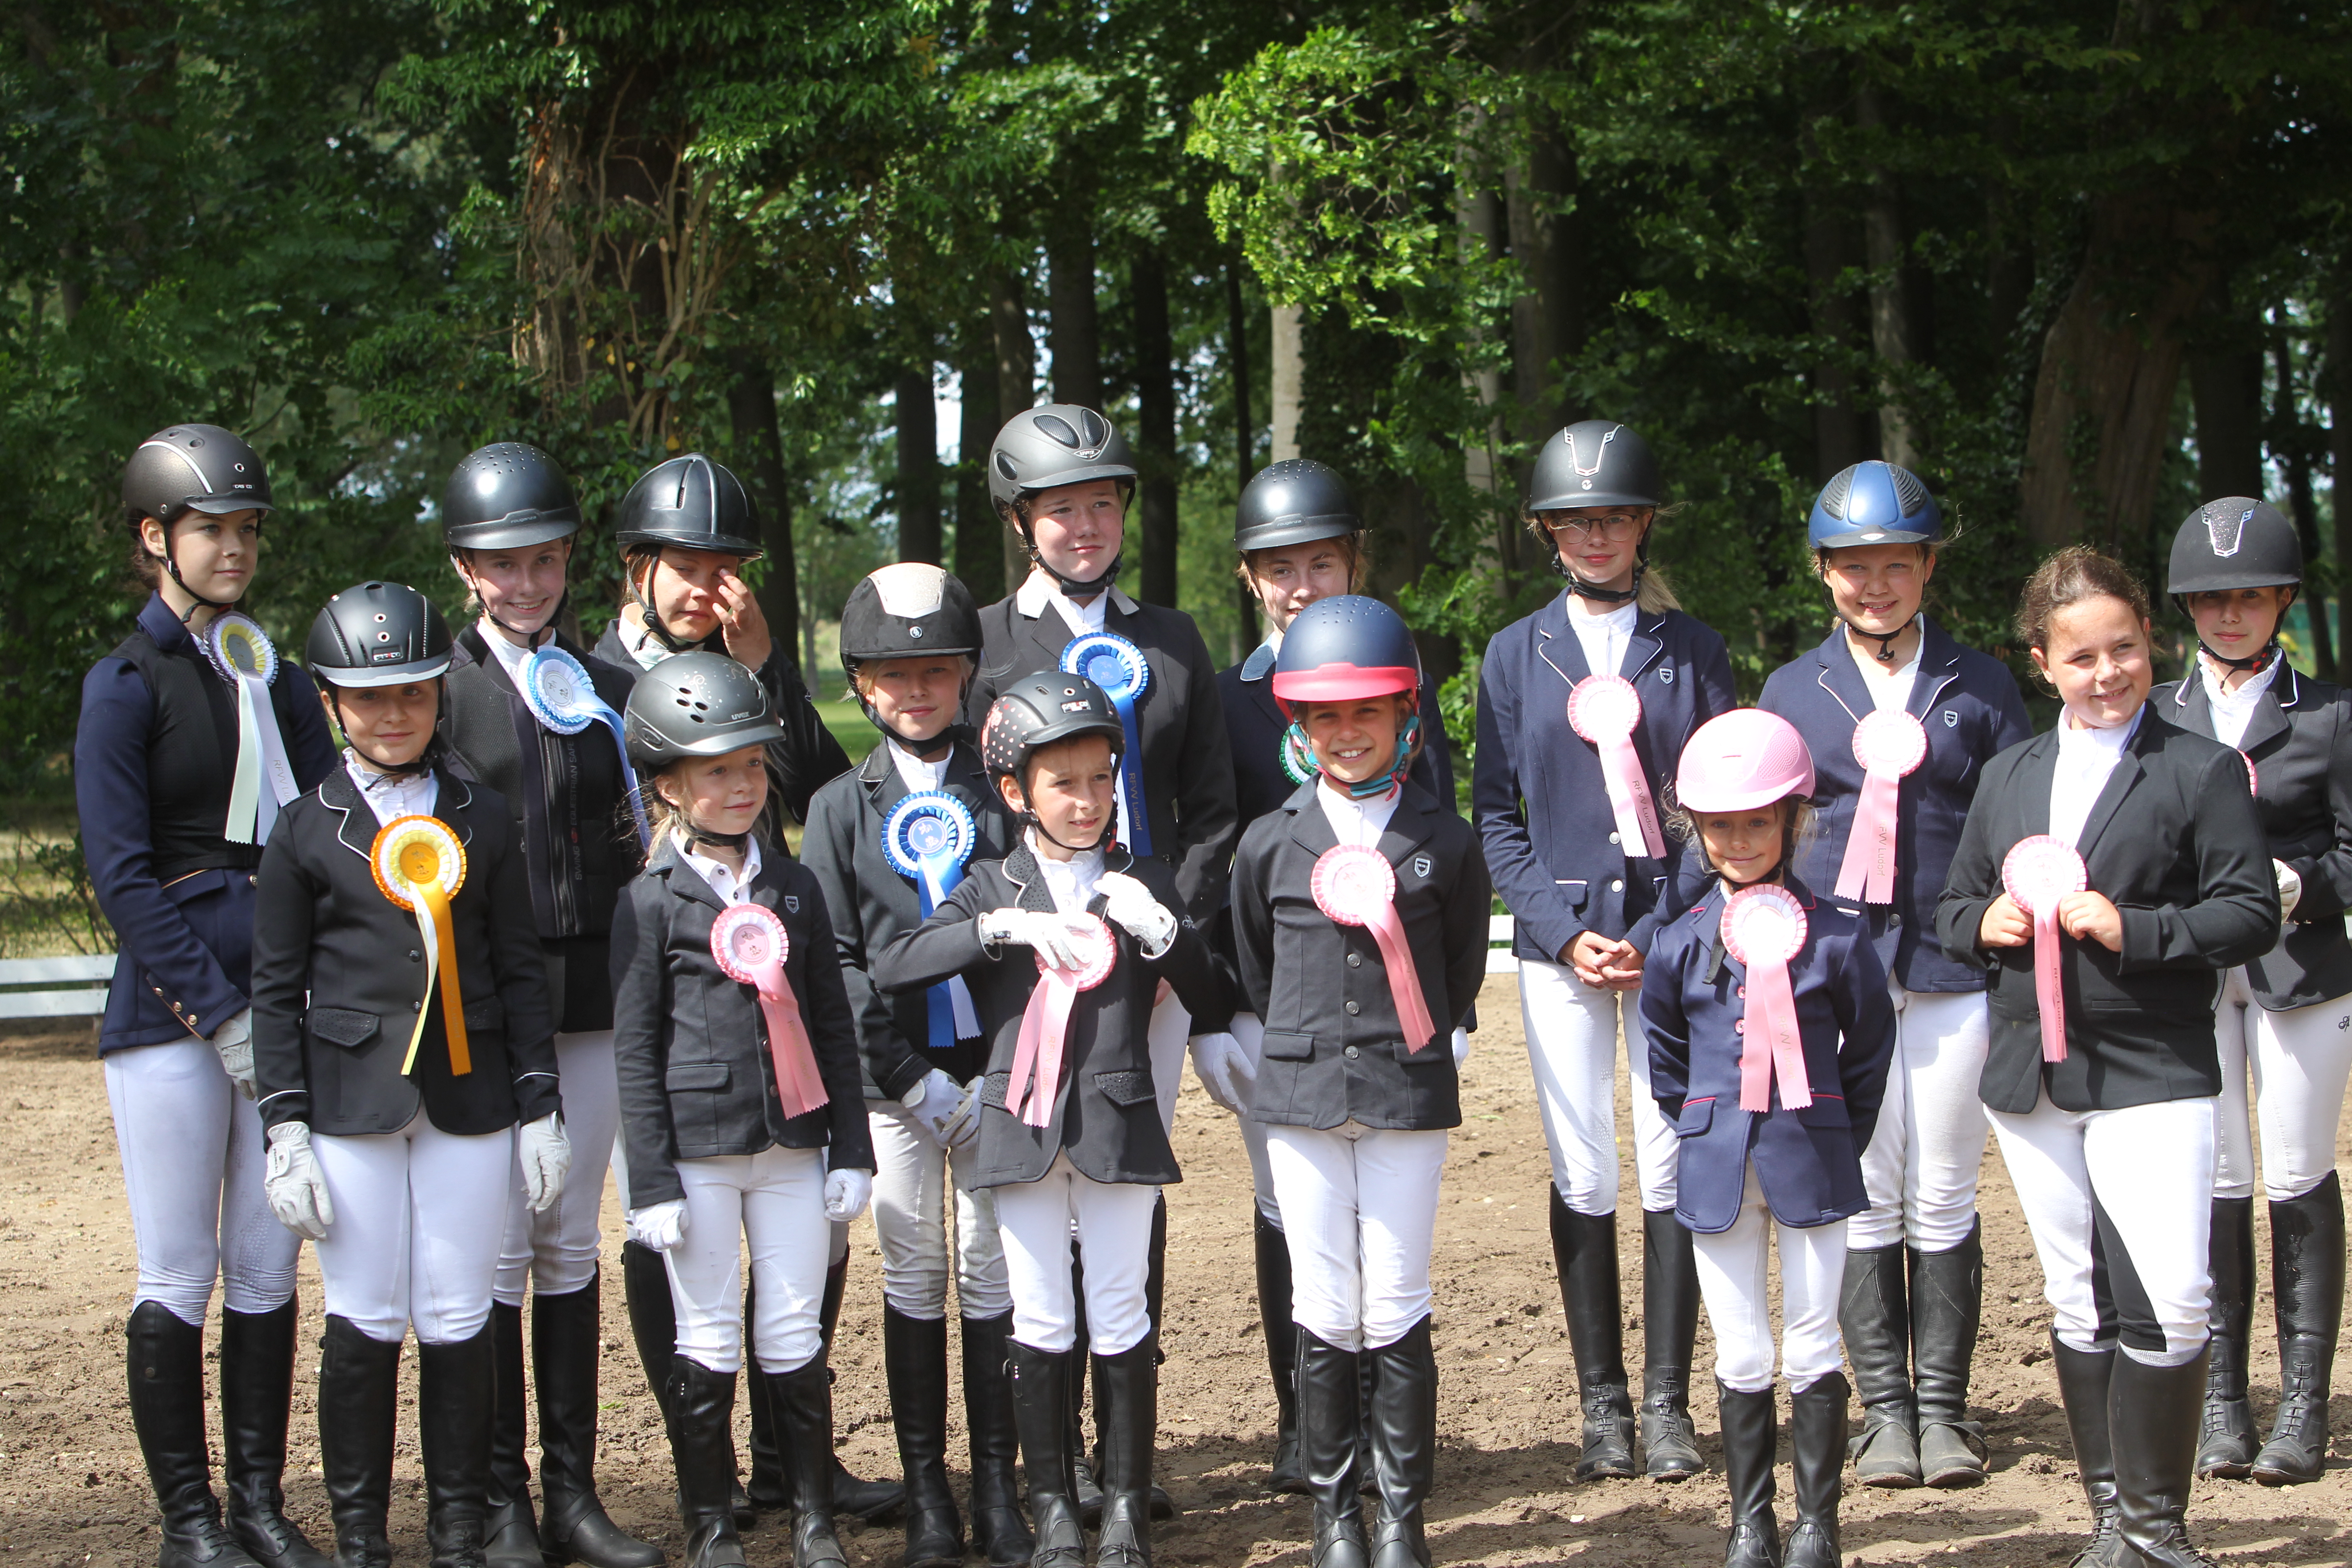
(73, 1490)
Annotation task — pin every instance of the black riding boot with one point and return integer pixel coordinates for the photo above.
(700, 1407)
(358, 1383)
(2226, 1442)
(1155, 1274)
(1817, 1444)
(1669, 1325)
(2307, 1278)
(1874, 1316)
(1281, 1350)
(2152, 1426)
(914, 1362)
(999, 1532)
(1330, 1417)
(1584, 1251)
(803, 1404)
(1084, 1493)
(1127, 1393)
(1041, 1406)
(653, 1325)
(2083, 1378)
(1749, 1428)
(256, 1378)
(166, 1362)
(457, 1399)
(1947, 1301)
(1403, 1423)
(510, 1530)
(564, 1331)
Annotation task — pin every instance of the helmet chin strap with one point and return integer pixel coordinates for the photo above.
(417, 765)
(2262, 655)
(1381, 783)
(938, 743)
(1073, 587)
(529, 640)
(172, 565)
(724, 840)
(660, 633)
(1885, 640)
(1585, 589)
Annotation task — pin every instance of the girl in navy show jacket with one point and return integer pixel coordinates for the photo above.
(1579, 895)
(1914, 1264)
(1756, 1168)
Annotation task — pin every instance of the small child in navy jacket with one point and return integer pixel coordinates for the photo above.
(1770, 1032)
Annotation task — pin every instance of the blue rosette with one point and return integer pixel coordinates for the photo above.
(559, 695)
(929, 839)
(1118, 667)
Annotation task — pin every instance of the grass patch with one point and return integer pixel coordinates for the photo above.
(47, 906)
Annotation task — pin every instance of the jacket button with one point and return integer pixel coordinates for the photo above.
(1351, 1053)
(1353, 1009)
(1618, 886)
(1893, 920)
(1355, 961)
(1739, 1025)
(1740, 992)
(253, 879)
(1612, 838)
(414, 956)
(417, 1007)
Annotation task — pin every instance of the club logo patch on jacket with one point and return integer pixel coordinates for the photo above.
(1421, 864)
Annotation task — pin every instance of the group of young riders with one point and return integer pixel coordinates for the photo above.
(537, 917)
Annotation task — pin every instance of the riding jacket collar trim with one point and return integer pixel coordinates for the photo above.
(2034, 778)
(1939, 665)
(1409, 828)
(2192, 707)
(357, 830)
(1558, 645)
(1021, 870)
(1036, 594)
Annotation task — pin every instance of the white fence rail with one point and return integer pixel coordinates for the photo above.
(55, 987)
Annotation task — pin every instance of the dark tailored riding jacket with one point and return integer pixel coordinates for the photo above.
(690, 1045)
(1188, 776)
(1255, 723)
(1537, 790)
(569, 801)
(871, 902)
(339, 976)
(1968, 704)
(1106, 1107)
(1693, 1000)
(153, 758)
(1335, 1049)
(2299, 738)
(2174, 842)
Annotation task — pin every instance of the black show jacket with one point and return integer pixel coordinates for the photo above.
(2299, 738)
(338, 975)
(1106, 1107)
(871, 903)
(691, 1045)
(2174, 842)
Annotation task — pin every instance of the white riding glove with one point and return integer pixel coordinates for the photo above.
(939, 1105)
(2290, 886)
(1055, 936)
(1225, 1071)
(292, 1181)
(846, 1193)
(658, 1226)
(546, 1157)
(1461, 1048)
(233, 1041)
(1129, 903)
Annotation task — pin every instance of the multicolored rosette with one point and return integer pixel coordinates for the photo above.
(243, 655)
(1298, 756)
(929, 839)
(558, 691)
(1890, 744)
(419, 865)
(1356, 886)
(2037, 873)
(1046, 1023)
(1118, 667)
(749, 944)
(1764, 928)
(1606, 710)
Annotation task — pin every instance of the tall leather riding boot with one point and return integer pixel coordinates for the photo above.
(1403, 1423)
(914, 1362)
(653, 1327)
(1749, 1428)
(456, 1400)
(1669, 1327)
(1817, 1444)
(999, 1531)
(2083, 1378)
(1584, 1251)
(802, 1403)
(852, 1495)
(2307, 1278)
(257, 1389)
(1281, 1350)
(1330, 1417)
(1155, 1272)
(700, 1407)
(1946, 1302)
(1084, 1492)
(511, 1529)
(772, 1460)
(1874, 1317)
(357, 1384)
(2152, 1426)
(564, 1352)
(165, 1359)
(1128, 1392)
(2226, 1442)
(1040, 1408)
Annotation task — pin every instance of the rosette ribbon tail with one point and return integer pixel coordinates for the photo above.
(799, 1086)
(1037, 1057)
(440, 930)
(2049, 990)
(1629, 798)
(611, 721)
(1404, 982)
(245, 785)
(1135, 816)
(1772, 1015)
(1867, 873)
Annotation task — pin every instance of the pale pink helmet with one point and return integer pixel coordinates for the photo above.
(1741, 760)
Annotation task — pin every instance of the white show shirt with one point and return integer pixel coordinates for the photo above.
(1356, 821)
(392, 796)
(1604, 637)
(731, 888)
(2085, 758)
(1071, 881)
(2232, 711)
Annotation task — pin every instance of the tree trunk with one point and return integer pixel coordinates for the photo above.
(979, 534)
(2340, 453)
(1017, 387)
(1890, 327)
(919, 467)
(1155, 419)
(1237, 359)
(1073, 334)
(1837, 427)
(1478, 218)
(1545, 317)
(758, 455)
(2225, 387)
(2293, 443)
(1289, 335)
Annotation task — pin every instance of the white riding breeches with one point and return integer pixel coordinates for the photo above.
(1249, 1032)
(1924, 1158)
(773, 1202)
(2300, 1059)
(1362, 1203)
(416, 1238)
(1572, 1032)
(1735, 1279)
(555, 1250)
(1112, 1221)
(1164, 1037)
(915, 1180)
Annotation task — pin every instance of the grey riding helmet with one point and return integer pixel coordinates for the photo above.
(697, 705)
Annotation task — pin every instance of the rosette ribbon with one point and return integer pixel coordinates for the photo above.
(559, 695)
(1890, 744)
(1118, 667)
(2037, 873)
(1046, 1024)
(1356, 886)
(749, 943)
(419, 865)
(1606, 710)
(1764, 928)
(242, 654)
(1298, 757)
(928, 838)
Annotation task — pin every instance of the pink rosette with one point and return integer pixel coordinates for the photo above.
(1045, 1023)
(2038, 872)
(1606, 710)
(1356, 886)
(749, 943)
(1889, 744)
(1764, 928)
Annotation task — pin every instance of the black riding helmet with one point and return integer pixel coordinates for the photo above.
(906, 611)
(1039, 710)
(1596, 462)
(1058, 444)
(380, 634)
(192, 467)
(697, 705)
(2236, 542)
(1292, 502)
(687, 503)
(505, 496)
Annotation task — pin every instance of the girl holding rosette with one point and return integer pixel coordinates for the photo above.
(739, 1103)
(1581, 708)
(1770, 1032)
(191, 741)
(1900, 721)
(2109, 871)
(1072, 1144)
(888, 842)
(1360, 920)
(2287, 1015)
(403, 1051)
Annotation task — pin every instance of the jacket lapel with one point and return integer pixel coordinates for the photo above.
(2269, 717)
(1644, 647)
(356, 830)
(2035, 777)
(1559, 646)
(1939, 665)
(1308, 825)
(1021, 870)
(2119, 783)
(450, 801)
(1409, 828)
(1840, 678)
(670, 861)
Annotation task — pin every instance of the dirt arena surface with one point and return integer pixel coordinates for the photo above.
(73, 1490)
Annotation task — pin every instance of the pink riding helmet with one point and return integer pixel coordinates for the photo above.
(1741, 760)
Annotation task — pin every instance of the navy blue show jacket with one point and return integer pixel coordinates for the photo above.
(1969, 705)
